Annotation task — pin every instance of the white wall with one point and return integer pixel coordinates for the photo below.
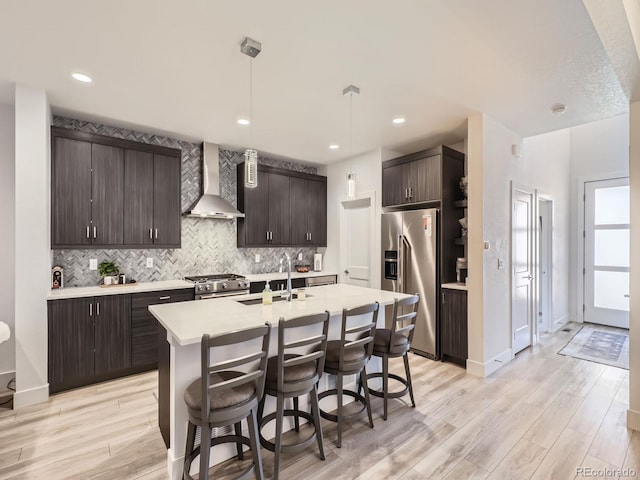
(368, 170)
(633, 414)
(32, 240)
(7, 206)
(475, 249)
(599, 150)
(546, 166)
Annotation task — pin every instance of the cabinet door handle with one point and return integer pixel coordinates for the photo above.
(166, 297)
(151, 233)
(270, 235)
(156, 234)
(95, 232)
(98, 308)
(309, 236)
(91, 309)
(444, 298)
(406, 193)
(267, 234)
(87, 231)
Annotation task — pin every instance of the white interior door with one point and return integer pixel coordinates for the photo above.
(523, 298)
(606, 252)
(356, 234)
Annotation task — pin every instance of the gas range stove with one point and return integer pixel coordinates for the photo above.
(219, 285)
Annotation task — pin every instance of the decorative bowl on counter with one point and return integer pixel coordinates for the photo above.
(303, 268)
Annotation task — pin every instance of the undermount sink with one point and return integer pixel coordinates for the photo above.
(276, 298)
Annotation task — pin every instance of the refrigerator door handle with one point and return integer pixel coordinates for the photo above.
(403, 255)
(400, 265)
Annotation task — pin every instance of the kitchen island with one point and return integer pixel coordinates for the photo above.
(186, 322)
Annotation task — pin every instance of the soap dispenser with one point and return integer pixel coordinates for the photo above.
(267, 295)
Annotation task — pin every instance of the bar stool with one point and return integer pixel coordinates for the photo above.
(349, 356)
(295, 371)
(225, 396)
(392, 343)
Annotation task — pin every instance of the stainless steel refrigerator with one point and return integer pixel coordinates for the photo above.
(410, 265)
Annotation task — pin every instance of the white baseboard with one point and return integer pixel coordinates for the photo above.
(32, 396)
(633, 419)
(487, 368)
(558, 323)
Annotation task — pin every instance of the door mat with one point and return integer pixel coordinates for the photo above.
(600, 344)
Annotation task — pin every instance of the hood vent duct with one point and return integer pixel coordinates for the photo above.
(211, 204)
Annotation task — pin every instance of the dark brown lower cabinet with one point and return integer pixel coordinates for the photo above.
(100, 338)
(145, 328)
(89, 340)
(112, 333)
(453, 326)
(71, 337)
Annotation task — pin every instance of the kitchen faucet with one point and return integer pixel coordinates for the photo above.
(288, 294)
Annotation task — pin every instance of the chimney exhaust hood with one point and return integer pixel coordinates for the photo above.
(211, 204)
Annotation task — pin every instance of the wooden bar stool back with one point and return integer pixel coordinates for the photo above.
(349, 356)
(293, 372)
(395, 342)
(227, 392)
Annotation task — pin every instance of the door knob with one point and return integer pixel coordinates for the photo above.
(529, 277)
(346, 272)
(627, 296)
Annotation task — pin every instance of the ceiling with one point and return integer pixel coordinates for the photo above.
(176, 68)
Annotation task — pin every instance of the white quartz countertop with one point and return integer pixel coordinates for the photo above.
(79, 292)
(455, 286)
(263, 277)
(186, 322)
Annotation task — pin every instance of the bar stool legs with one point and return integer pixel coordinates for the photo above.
(385, 375)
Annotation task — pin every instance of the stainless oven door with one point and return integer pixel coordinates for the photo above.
(208, 296)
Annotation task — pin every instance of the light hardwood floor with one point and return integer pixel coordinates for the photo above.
(541, 416)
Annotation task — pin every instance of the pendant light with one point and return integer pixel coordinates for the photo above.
(351, 90)
(251, 48)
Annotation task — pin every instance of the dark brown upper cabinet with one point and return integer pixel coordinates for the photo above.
(152, 200)
(412, 181)
(87, 188)
(287, 208)
(429, 178)
(308, 201)
(109, 192)
(71, 192)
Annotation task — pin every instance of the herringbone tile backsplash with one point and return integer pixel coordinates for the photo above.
(208, 245)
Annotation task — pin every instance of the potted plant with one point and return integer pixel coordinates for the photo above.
(109, 270)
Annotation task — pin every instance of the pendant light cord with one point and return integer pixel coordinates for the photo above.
(250, 101)
(351, 124)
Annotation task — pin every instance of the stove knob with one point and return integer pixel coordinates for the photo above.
(207, 287)
(224, 285)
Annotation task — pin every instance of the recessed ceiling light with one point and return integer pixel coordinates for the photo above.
(81, 77)
(558, 109)
(334, 146)
(399, 120)
(243, 121)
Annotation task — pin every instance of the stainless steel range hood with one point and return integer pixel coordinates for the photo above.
(211, 204)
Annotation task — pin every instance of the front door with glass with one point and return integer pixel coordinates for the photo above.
(606, 252)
